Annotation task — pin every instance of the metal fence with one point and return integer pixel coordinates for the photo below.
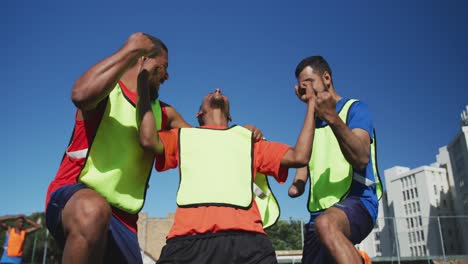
(439, 239)
(435, 239)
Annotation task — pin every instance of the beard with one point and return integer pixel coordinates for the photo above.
(218, 103)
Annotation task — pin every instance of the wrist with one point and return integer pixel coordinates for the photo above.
(332, 119)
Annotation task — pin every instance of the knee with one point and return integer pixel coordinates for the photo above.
(325, 227)
(87, 213)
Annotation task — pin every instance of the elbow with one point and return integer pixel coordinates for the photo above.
(302, 161)
(80, 97)
(146, 143)
(361, 163)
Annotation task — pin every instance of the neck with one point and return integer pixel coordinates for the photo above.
(216, 117)
(129, 78)
(334, 94)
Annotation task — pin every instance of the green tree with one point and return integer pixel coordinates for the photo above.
(286, 235)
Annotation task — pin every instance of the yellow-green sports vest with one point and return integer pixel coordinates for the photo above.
(216, 167)
(116, 165)
(266, 202)
(330, 173)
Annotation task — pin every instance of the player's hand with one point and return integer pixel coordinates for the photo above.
(305, 92)
(143, 44)
(325, 106)
(257, 133)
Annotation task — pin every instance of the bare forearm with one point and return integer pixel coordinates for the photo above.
(98, 81)
(354, 149)
(149, 138)
(299, 156)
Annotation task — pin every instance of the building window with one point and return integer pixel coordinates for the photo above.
(409, 238)
(406, 209)
(407, 223)
(404, 196)
(419, 208)
(416, 192)
(422, 237)
(420, 221)
(424, 250)
(411, 221)
(407, 194)
(378, 248)
(412, 254)
(414, 208)
(377, 235)
(412, 194)
(419, 237)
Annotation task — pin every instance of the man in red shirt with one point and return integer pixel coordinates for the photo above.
(217, 220)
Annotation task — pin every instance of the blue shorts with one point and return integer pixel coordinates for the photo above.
(122, 243)
(9, 260)
(360, 222)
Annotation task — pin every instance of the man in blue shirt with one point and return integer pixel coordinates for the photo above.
(343, 190)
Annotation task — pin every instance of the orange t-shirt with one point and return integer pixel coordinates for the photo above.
(213, 219)
(15, 243)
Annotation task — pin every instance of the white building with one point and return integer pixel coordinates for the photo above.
(425, 210)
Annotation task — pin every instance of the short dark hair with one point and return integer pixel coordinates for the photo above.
(317, 63)
(159, 46)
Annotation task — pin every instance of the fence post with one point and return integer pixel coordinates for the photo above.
(441, 239)
(302, 234)
(39, 220)
(397, 244)
(45, 247)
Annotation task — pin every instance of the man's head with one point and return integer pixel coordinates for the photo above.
(156, 64)
(19, 223)
(314, 71)
(213, 102)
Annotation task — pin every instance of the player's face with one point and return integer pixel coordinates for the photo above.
(308, 77)
(158, 72)
(20, 223)
(216, 100)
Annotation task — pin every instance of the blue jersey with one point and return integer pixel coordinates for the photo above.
(359, 117)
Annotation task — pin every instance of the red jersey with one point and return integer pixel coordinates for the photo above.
(212, 219)
(73, 160)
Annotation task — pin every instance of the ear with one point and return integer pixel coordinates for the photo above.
(326, 78)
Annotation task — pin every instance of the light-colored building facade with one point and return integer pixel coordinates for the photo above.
(425, 210)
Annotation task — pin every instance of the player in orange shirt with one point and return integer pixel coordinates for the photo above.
(15, 237)
(217, 220)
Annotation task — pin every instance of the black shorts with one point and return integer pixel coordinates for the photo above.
(234, 247)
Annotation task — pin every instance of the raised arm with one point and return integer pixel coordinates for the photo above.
(35, 225)
(149, 138)
(6, 218)
(99, 80)
(354, 144)
(299, 155)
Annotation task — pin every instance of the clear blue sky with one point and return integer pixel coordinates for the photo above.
(406, 59)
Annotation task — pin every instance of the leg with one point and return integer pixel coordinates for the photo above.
(85, 220)
(334, 231)
(342, 226)
(314, 252)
